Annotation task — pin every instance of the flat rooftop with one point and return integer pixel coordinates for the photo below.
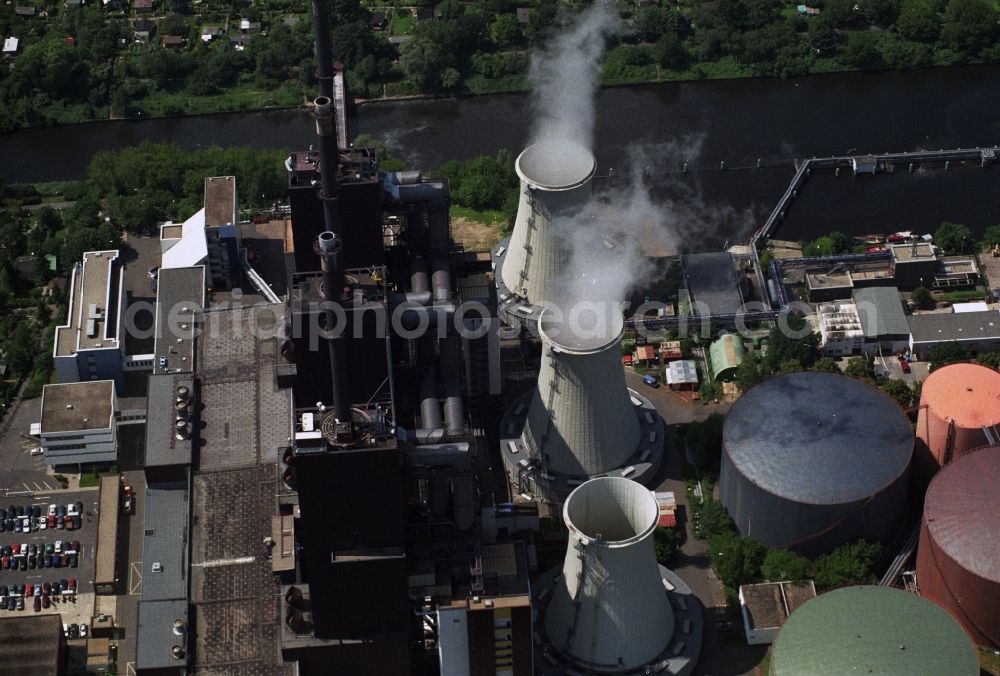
(72, 407)
(31, 644)
(944, 327)
(903, 253)
(162, 445)
(180, 298)
(711, 280)
(92, 320)
(107, 530)
(829, 280)
(165, 542)
(769, 604)
(881, 311)
(155, 637)
(220, 201)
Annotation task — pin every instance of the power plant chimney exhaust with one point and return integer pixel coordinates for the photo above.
(610, 611)
(323, 49)
(333, 283)
(555, 179)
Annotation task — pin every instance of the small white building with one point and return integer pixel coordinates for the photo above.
(840, 329)
(78, 423)
(10, 45)
(977, 306)
(682, 375)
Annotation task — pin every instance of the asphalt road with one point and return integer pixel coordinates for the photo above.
(22, 471)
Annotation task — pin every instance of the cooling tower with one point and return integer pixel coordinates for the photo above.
(957, 402)
(580, 420)
(872, 630)
(609, 611)
(958, 559)
(811, 460)
(555, 179)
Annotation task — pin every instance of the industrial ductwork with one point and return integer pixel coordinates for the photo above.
(555, 179)
(609, 611)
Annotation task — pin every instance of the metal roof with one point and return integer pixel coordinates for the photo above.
(682, 371)
(31, 644)
(726, 353)
(881, 311)
(962, 512)
(155, 635)
(711, 279)
(178, 289)
(818, 438)
(162, 445)
(936, 327)
(192, 248)
(969, 394)
(166, 542)
(872, 630)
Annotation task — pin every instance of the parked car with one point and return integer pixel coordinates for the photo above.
(129, 497)
(75, 546)
(77, 522)
(65, 560)
(3, 603)
(66, 630)
(17, 548)
(50, 548)
(45, 601)
(20, 603)
(83, 631)
(38, 604)
(74, 631)
(23, 565)
(36, 511)
(58, 547)
(51, 521)
(5, 562)
(56, 560)
(17, 525)
(43, 522)
(72, 560)
(37, 590)
(32, 562)
(60, 510)
(52, 509)
(29, 590)
(48, 560)
(10, 523)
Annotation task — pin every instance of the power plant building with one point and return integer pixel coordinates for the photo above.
(611, 608)
(958, 561)
(959, 411)
(811, 460)
(872, 630)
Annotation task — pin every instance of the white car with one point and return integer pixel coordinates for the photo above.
(43, 523)
(37, 450)
(71, 509)
(52, 510)
(83, 631)
(58, 547)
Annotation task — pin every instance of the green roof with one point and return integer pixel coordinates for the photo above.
(872, 630)
(726, 353)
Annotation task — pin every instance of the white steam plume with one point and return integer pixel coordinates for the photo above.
(565, 77)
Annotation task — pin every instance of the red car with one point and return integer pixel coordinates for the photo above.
(6, 563)
(51, 520)
(17, 549)
(29, 590)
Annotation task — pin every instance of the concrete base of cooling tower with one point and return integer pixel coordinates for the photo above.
(678, 658)
(531, 479)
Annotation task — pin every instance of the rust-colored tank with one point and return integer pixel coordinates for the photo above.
(956, 402)
(958, 558)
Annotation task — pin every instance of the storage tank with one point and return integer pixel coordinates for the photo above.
(872, 630)
(609, 611)
(956, 402)
(555, 179)
(958, 558)
(580, 420)
(811, 460)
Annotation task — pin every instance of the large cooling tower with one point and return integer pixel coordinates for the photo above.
(811, 460)
(609, 611)
(956, 403)
(580, 421)
(555, 179)
(958, 559)
(872, 630)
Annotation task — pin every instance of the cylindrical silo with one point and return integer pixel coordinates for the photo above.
(956, 402)
(555, 179)
(581, 420)
(872, 630)
(958, 559)
(812, 460)
(609, 611)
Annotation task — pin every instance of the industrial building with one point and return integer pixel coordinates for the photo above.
(811, 460)
(682, 374)
(580, 420)
(840, 331)
(106, 559)
(78, 424)
(555, 181)
(883, 320)
(713, 287)
(958, 412)
(88, 346)
(975, 331)
(872, 629)
(180, 299)
(726, 353)
(210, 237)
(913, 264)
(32, 644)
(650, 623)
(957, 563)
(765, 607)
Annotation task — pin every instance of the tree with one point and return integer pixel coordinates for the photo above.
(852, 563)
(828, 364)
(991, 359)
(991, 236)
(923, 298)
(880, 12)
(946, 353)
(970, 26)
(671, 52)
(783, 564)
(860, 368)
(953, 238)
(666, 542)
(747, 374)
(793, 341)
(736, 560)
(900, 391)
(918, 21)
(713, 519)
(861, 51)
(505, 31)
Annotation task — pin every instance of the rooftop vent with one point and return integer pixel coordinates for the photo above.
(69, 407)
(177, 652)
(180, 627)
(157, 567)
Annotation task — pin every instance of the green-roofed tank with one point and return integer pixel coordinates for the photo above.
(872, 630)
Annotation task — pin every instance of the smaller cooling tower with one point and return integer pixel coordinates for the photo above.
(555, 180)
(609, 611)
(956, 403)
(958, 559)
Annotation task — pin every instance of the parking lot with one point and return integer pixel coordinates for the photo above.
(23, 471)
(76, 608)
